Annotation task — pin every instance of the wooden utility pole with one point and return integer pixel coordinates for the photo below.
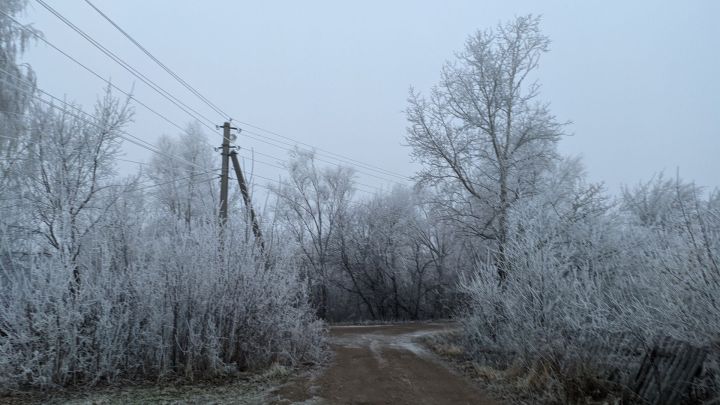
(224, 174)
(226, 155)
(246, 198)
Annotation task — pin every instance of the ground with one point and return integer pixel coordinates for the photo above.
(382, 365)
(251, 389)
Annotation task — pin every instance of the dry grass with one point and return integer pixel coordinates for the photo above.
(245, 389)
(542, 382)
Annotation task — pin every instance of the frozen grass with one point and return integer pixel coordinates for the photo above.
(245, 389)
(242, 391)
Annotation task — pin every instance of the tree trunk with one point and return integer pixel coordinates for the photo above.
(501, 261)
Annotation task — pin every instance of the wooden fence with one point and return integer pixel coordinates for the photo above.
(668, 372)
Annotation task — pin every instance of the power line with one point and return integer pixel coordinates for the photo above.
(91, 71)
(132, 161)
(162, 65)
(152, 147)
(264, 139)
(143, 163)
(222, 113)
(253, 159)
(287, 184)
(94, 73)
(149, 180)
(157, 88)
(180, 179)
(180, 104)
(258, 138)
(130, 188)
(122, 134)
(327, 152)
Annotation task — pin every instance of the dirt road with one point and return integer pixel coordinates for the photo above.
(382, 365)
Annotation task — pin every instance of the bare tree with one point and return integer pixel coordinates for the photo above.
(482, 136)
(376, 251)
(70, 189)
(312, 204)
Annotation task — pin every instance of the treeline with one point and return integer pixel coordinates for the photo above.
(380, 257)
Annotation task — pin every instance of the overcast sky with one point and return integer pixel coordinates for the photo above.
(638, 80)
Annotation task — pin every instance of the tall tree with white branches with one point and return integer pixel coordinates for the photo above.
(482, 135)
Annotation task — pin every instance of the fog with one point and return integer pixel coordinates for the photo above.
(638, 81)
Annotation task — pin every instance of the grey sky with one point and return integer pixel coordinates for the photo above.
(639, 80)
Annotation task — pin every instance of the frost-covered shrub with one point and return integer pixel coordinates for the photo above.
(553, 286)
(184, 306)
(590, 289)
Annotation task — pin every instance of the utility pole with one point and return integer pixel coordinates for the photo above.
(224, 174)
(248, 202)
(226, 155)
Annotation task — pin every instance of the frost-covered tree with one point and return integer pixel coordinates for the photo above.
(482, 135)
(658, 202)
(73, 184)
(17, 84)
(18, 80)
(185, 186)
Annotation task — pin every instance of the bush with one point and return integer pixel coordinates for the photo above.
(587, 295)
(184, 307)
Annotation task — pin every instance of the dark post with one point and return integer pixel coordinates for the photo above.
(246, 198)
(224, 174)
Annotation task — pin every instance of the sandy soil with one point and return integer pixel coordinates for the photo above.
(382, 365)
